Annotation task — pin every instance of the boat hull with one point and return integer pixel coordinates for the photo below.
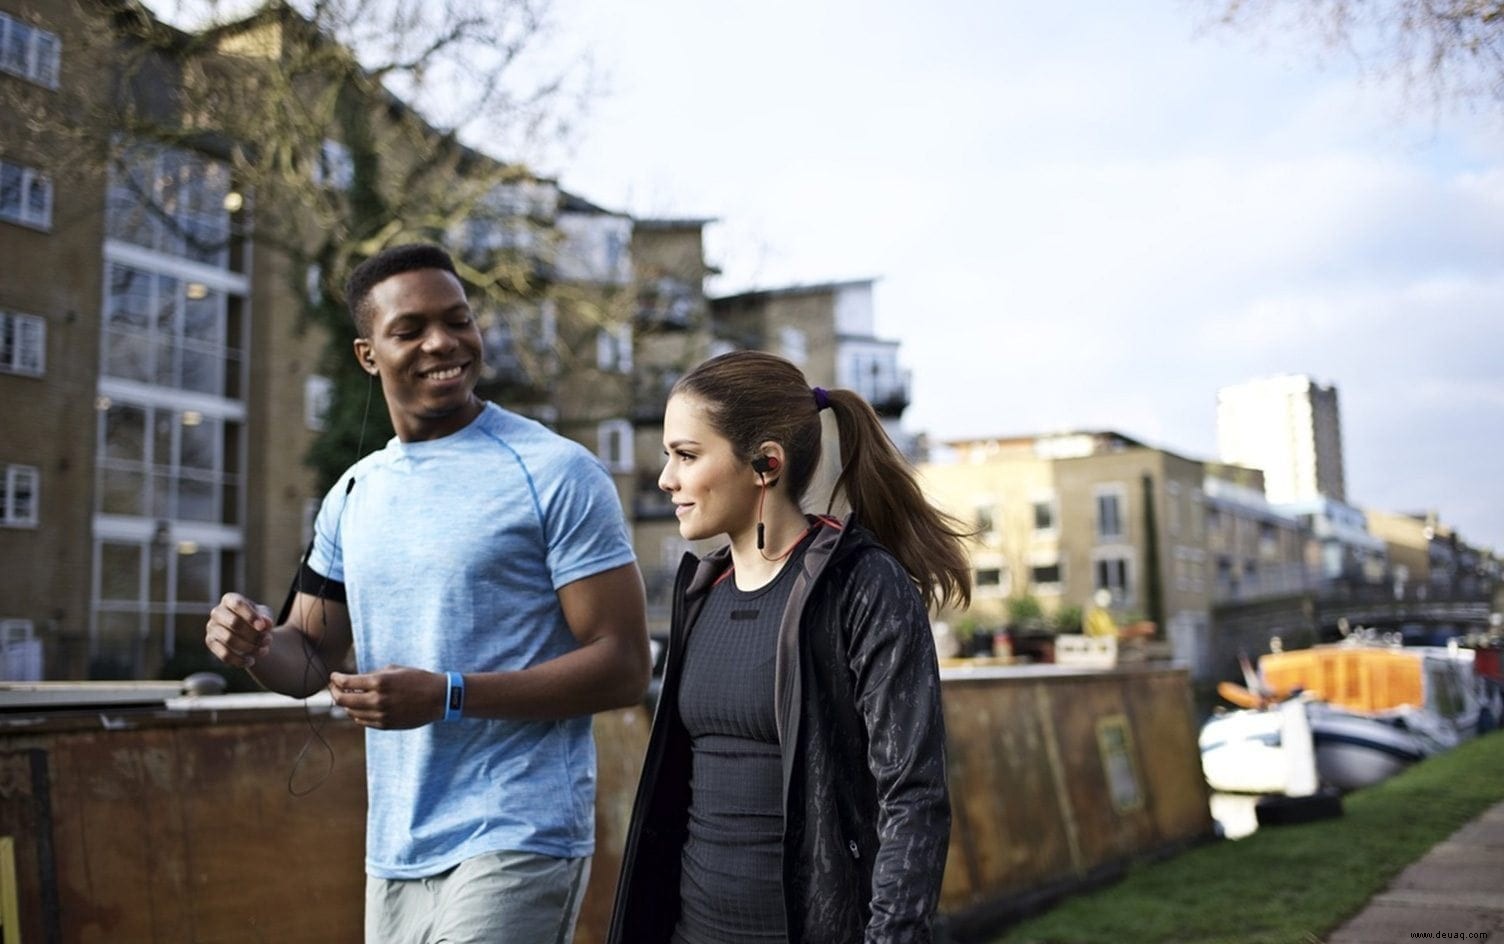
(1250, 751)
(1354, 752)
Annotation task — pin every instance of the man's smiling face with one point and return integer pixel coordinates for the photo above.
(427, 350)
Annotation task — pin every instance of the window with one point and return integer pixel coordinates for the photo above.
(170, 332)
(28, 51)
(986, 522)
(1112, 572)
(25, 196)
(991, 577)
(311, 508)
(613, 349)
(20, 651)
(313, 283)
(1044, 515)
(152, 592)
(158, 463)
(1227, 582)
(614, 445)
(1268, 539)
(23, 344)
(1046, 576)
(335, 167)
(1110, 502)
(795, 345)
(172, 201)
(1172, 507)
(14, 631)
(18, 505)
(318, 393)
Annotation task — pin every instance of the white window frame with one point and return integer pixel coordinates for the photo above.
(1003, 587)
(10, 515)
(334, 167)
(621, 432)
(318, 394)
(1047, 560)
(14, 631)
(1118, 492)
(30, 177)
(28, 348)
(39, 67)
(794, 343)
(613, 348)
(991, 507)
(1125, 555)
(1053, 501)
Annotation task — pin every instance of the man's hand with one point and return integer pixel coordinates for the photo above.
(239, 631)
(392, 698)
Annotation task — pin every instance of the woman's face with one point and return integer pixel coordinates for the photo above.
(714, 490)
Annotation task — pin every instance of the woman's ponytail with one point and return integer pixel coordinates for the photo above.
(880, 485)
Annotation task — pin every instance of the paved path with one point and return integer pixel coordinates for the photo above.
(1455, 892)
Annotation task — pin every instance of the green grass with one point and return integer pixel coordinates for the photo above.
(1285, 883)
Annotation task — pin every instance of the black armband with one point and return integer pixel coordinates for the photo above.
(316, 584)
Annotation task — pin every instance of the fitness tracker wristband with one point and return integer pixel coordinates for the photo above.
(454, 696)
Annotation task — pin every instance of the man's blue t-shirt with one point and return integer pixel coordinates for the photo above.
(451, 552)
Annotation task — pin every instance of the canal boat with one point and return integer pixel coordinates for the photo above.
(1366, 712)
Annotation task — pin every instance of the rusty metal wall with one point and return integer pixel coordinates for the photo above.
(1030, 789)
(175, 828)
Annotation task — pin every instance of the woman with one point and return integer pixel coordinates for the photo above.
(794, 787)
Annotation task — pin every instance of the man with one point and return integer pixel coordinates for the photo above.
(479, 566)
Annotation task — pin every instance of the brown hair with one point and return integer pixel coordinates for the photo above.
(752, 397)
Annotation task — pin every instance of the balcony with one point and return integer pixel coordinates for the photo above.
(667, 304)
(889, 396)
(650, 390)
(649, 502)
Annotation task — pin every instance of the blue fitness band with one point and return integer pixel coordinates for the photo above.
(454, 696)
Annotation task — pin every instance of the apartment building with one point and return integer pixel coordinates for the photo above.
(1059, 517)
(51, 281)
(1062, 517)
(1254, 550)
(163, 384)
(1290, 428)
(673, 333)
(830, 331)
(1428, 559)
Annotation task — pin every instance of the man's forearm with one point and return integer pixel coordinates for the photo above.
(605, 674)
(294, 666)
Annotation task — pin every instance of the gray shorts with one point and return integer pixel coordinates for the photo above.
(500, 898)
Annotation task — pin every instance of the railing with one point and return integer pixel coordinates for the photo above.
(888, 396)
(650, 501)
(650, 391)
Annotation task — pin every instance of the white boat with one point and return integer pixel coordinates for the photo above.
(1365, 713)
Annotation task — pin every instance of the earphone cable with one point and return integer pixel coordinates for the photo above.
(310, 652)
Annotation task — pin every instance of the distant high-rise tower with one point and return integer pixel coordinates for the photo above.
(1290, 428)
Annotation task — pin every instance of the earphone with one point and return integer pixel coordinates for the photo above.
(762, 465)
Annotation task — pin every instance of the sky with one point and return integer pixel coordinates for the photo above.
(1084, 216)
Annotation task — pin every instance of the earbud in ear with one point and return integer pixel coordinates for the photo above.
(765, 464)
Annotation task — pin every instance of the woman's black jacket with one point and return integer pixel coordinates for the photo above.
(857, 703)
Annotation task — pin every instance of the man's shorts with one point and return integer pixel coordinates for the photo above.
(490, 899)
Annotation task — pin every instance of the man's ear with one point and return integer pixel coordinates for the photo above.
(364, 357)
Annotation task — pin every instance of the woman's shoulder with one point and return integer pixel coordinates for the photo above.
(863, 565)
